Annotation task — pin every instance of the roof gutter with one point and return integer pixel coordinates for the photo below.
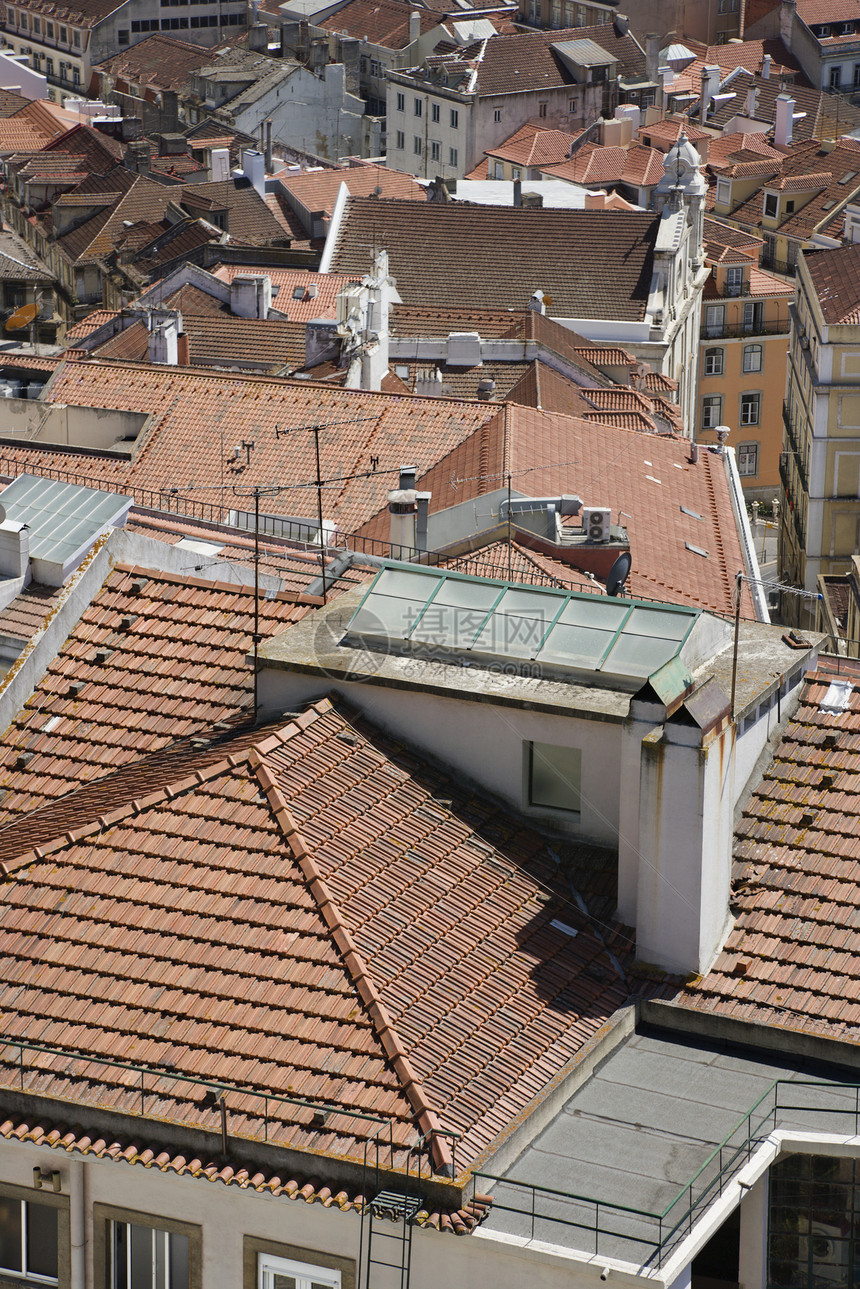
(742, 523)
(334, 229)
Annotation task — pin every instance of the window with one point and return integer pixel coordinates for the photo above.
(541, 109)
(282, 1273)
(37, 26)
(747, 459)
(516, 173)
(573, 105)
(434, 113)
(64, 35)
(143, 1257)
(401, 102)
(713, 362)
(29, 1238)
(734, 281)
(49, 67)
(49, 27)
(416, 144)
(498, 170)
(813, 1230)
(435, 150)
(752, 357)
(856, 75)
(724, 192)
(753, 315)
(715, 316)
(497, 114)
(455, 118)
(122, 36)
(835, 77)
(554, 776)
(750, 408)
(789, 207)
(419, 107)
(76, 38)
(401, 141)
(452, 157)
(712, 411)
(771, 205)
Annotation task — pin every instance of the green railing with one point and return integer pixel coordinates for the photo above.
(647, 1237)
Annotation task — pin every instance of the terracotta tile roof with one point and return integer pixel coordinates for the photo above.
(221, 340)
(657, 383)
(792, 958)
(158, 60)
(186, 405)
(131, 344)
(193, 299)
(723, 243)
(381, 22)
(764, 283)
(541, 386)
(826, 115)
(318, 190)
(527, 61)
(19, 134)
(323, 304)
(670, 129)
(138, 701)
(513, 563)
(749, 54)
(495, 256)
(90, 323)
(531, 145)
(177, 166)
(299, 885)
(248, 1177)
(251, 220)
(835, 277)
(18, 263)
(825, 210)
(606, 355)
(816, 12)
(629, 420)
(648, 476)
(85, 12)
(592, 164)
(11, 102)
(26, 614)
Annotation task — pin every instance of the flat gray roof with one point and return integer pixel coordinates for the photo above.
(637, 1133)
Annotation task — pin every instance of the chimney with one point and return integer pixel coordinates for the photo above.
(622, 24)
(486, 388)
(414, 27)
(258, 38)
(422, 500)
(652, 53)
(518, 192)
(183, 352)
(254, 169)
(251, 295)
(765, 67)
(403, 513)
(710, 86)
(752, 95)
(783, 125)
(536, 303)
(163, 345)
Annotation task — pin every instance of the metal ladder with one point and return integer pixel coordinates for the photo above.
(388, 1216)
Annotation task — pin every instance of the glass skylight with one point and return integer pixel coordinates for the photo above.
(454, 617)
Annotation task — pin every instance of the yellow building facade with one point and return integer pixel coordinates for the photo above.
(742, 365)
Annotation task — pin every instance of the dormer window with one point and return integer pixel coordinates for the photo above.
(734, 281)
(771, 205)
(847, 29)
(724, 192)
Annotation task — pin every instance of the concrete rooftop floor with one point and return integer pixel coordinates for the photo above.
(638, 1131)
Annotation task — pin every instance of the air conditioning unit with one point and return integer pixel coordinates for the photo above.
(596, 523)
(824, 1250)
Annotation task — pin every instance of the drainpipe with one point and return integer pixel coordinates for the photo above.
(77, 1215)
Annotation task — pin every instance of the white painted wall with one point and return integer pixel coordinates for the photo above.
(484, 741)
(15, 74)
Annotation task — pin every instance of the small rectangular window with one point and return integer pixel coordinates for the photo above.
(283, 1273)
(713, 362)
(712, 411)
(49, 27)
(37, 26)
(455, 118)
(143, 1257)
(76, 38)
(435, 150)
(572, 105)
(734, 281)
(28, 1238)
(497, 114)
(516, 173)
(542, 109)
(401, 102)
(452, 157)
(715, 316)
(750, 409)
(752, 357)
(771, 205)
(401, 141)
(747, 454)
(554, 776)
(416, 144)
(835, 77)
(419, 107)
(434, 113)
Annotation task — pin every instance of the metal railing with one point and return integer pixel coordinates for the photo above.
(729, 331)
(792, 500)
(796, 452)
(645, 1236)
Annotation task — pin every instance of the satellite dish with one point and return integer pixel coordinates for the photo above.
(22, 317)
(618, 574)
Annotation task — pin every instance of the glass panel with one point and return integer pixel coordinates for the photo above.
(383, 615)
(10, 1234)
(120, 1255)
(606, 615)
(160, 1259)
(141, 1257)
(279, 1281)
(456, 614)
(571, 646)
(554, 776)
(651, 622)
(42, 1240)
(179, 1257)
(639, 655)
(396, 581)
(510, 636)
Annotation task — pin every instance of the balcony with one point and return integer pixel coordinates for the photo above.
(732, 331)
(796, 453)
(792, 499)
